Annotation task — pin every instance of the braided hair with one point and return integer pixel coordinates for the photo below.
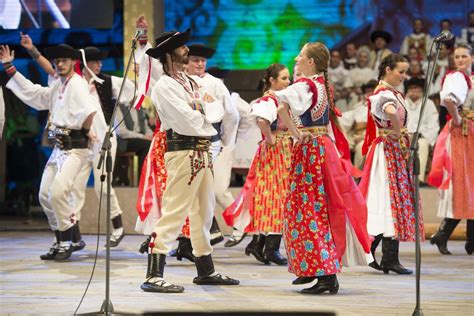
(320, 54)
(391, 62)
(271, 72)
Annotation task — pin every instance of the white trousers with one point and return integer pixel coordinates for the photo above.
(222, 174)
(60, 177)
(189, 191)
(423, 153)
(78, 196)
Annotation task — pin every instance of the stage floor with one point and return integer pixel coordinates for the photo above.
(32, 286)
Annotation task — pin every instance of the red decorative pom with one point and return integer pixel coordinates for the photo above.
(153, 235)
(151, 245)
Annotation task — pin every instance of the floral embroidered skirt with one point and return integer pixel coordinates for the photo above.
(309, 242)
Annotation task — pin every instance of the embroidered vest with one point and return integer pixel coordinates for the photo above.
(104, 91)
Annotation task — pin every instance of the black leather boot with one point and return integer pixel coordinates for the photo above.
(154, 276)
(441, 237)
(117, 223)
(208, 276)
(303, 280)
(390, 261)
(272, 250)
(373, 247)
(255, 247)
(66, 250)
(469, 237)
(77, 242)
(144, 245)
(185, 249)
(325, 283)
(53, 251)
(216, 235)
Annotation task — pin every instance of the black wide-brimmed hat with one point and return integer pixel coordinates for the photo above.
(62, 51)
(381, 33)
(93, 53)
(417, 82)
(167, 42)
(218, 72)
(201, 51)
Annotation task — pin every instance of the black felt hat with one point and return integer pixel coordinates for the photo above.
(381, 33)
(62, 51)
(168, 42)
(201, 51)
(93, 53)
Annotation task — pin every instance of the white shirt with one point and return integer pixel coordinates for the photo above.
(265, 109)
(222, 109)
(429, 127)
(454, 88)
(173, 105)
(427, 42)
(69, 102)
(359, 76)
(338, 76)
(150, 70)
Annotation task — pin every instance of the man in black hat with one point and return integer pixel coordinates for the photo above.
(72, 114)
(223, 115)
(104, 89)
(429, 127)
(380, 39)
(181, 106)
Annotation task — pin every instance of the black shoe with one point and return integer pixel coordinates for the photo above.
(185, 249)
(64, 253)
(173, 253)
(233, 241)
(216, 279)
(440, 239)
(51, 254)
(115, 241)
(144, 245)
(255, 247)
(469, 246)
(326, 283)
(272, 250)
(217, 240)
(207, 274)
(390, 260)
(161, 286)
(303, 280)
(78, 246)
(373, 247)
(375, 265)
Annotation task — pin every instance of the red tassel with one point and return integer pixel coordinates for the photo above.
(153, 235)
(151, 245)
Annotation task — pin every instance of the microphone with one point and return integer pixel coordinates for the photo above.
(139, 33)
(443, 36)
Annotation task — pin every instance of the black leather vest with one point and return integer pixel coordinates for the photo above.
(104, 91)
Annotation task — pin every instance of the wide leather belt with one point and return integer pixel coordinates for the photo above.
(177, 142)
(66, 138)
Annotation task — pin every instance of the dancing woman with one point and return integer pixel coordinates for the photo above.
(325, 214)
(259, 206)
(456, 143)
(387, 179)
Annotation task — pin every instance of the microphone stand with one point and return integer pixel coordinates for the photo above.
(107, 308)
(415, 162)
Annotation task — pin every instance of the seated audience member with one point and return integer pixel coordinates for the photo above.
(354, 123)
(350, 59)
(429, 127)
(133, 135)
(418, 40)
